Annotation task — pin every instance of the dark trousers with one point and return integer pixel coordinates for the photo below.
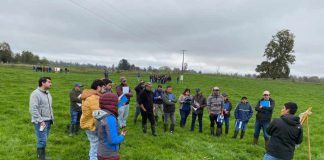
(194, 116)
(184, 115)
(147, 115)
(213, 120)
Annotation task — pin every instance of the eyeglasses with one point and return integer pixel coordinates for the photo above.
(215, 90)
(266, 95)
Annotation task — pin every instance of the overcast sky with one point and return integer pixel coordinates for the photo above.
(229, 36)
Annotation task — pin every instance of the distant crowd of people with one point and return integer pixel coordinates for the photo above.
(38, 68)
(161, 79)
(103, 113)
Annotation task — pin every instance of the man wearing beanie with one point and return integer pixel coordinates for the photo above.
(107, 128)
(286, 132)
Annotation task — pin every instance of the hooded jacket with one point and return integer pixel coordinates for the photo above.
(285, 133)
(90, 103)
(107, 131)
(169, 101)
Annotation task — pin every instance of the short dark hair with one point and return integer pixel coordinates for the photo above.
(168, 87)
(97, 83)
(43, 80)
(159, 86)
(186, 90)
(292, 107)
(106, 81)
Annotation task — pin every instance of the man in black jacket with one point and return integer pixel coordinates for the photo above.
(145, 100)
(264, 109)
(139, 88)
(286, 132)
(75, 110)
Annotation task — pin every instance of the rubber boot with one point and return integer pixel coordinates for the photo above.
(212, 131)
(153, 130)
(218, 132)
(165, 127)
(235, 134)
(255, 141)
(172, 128)
(41, 153)
(242, 134)
(226, 130)
(144, 129)
(71, 130)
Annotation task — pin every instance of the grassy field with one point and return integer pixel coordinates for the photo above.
(18, 140)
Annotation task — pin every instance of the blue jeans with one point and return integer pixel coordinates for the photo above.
(194, 116)
(226, 121)
(42, 135)
(122, 115)
(75, 117)
(93, 139)
(269, 157)
(184, 115)
(257, 129)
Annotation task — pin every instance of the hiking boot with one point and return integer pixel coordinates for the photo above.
(235, 134)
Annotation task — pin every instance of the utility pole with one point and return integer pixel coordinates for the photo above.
(183, 52)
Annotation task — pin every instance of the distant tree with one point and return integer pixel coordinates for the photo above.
(149, 68)
(165, 69)
(6, 54)
(123, 65)
(279, 55)
(176, 70)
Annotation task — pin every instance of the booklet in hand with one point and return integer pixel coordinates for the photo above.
(265, 103)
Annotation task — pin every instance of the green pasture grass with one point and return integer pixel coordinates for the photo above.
(18, 140)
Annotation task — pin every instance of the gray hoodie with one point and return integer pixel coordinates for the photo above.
(40, 106)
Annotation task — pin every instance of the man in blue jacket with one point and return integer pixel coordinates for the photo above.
(243, 113)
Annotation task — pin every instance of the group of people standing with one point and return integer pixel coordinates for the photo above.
(103, 114)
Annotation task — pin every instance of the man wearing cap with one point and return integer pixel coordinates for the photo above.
(138, 89)
(123, 89)
(75, 108)
(286, 132)
(145, 100)
(264, 108)
(215, 104)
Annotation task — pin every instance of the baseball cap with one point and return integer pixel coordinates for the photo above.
(216, 88)
(266, 92)
(78, 84)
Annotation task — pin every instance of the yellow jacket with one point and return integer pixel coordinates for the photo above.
(90, 103)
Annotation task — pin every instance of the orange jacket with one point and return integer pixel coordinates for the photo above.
(90, 103)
